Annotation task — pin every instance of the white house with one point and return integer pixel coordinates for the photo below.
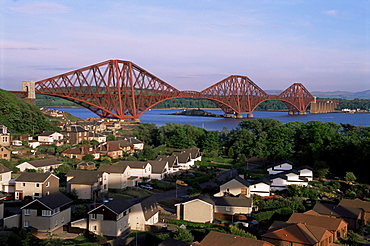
(46, 165)
(160, 168)
(139, 169)
(279, 167)
(5, 177)
(49, 137)
(119, 176)
(260, 187)
(235, 186)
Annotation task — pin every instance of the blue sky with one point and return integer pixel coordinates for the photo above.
(192, 44)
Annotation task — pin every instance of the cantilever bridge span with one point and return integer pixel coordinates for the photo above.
(120, 89)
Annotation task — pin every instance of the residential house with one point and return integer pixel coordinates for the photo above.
(75, 134)
(35, 185)
(110, 149)
(353, 216)
(260, 187)
(87, 184)
(46, 165)
(111, 218)
(299, 234)
(214, 238)
(17, 142)
(172, 162)
(5, 137)
(279, 167)
(144, 213)
(119, 176)
(92, 125)
(5, 177)
(4, 153)
(50, 137)
(141, 169)
(204, 208)
(137, 145)
(160, 168)
(101, 138)
(196, 209)
(33, 143)
(188, 157)
(86, 165)
(124, 145)
(228, 205)
(80, 152)
(48, 213)
(357, 203)
(234, 187)
(290, 177)
(337, 226)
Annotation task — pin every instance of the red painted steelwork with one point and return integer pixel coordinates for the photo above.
(123, 90)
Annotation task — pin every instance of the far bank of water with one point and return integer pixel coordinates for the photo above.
(161, 117)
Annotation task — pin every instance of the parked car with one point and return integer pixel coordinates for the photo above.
(181, 183)
(146, 187)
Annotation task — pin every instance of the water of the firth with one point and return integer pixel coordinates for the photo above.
(161, 117)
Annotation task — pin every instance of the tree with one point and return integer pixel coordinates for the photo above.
(88, 157)
(184, 235)
(240, 232)
(350, 176)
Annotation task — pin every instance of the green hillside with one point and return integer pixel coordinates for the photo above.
(21, 117)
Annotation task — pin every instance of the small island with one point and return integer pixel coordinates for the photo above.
(197, 112)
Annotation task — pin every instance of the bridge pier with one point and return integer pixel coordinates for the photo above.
(323, 106)
(239, 116)
(291, 112)
(250, 115)
(29, 87)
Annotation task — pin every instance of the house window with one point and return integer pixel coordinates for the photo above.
(47, 184)
(48, 193)
(37, 185)
(94, 228)
(227, 209)
(57, 210)
(93, 216)
(46, 212)
(26, 224)
(23, 184)
(27, 212)
(36, 195)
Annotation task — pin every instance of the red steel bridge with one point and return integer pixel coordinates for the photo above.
(122, 90)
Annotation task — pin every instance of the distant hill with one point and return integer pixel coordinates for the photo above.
(21, 117)
(332, 94)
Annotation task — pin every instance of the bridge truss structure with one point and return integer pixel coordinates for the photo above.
(122, 90)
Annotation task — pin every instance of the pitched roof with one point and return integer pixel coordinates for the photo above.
(280, 163)
(84, 176)
(201, 197)
(135, 164)
(158, 166)
(52, 201)
(44, 162)
(173, 242)
(298, 233)
(240, 180)
(118, 168)
(214, 238)
(329, 223)
(148, 205)
(171, 159)
(337, 210)
(46, 133)
(183, 157)
(240, 201)
(4, 169)
(81, 150)
(117, 205)
(34, 177)
(258, 181)
(356, 203)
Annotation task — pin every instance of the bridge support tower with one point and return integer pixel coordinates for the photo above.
(323, 106)
(29, 87)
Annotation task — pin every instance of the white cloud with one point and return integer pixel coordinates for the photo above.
(332, 12)
(41, 8)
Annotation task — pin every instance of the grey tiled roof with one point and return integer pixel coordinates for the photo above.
(33, 177)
